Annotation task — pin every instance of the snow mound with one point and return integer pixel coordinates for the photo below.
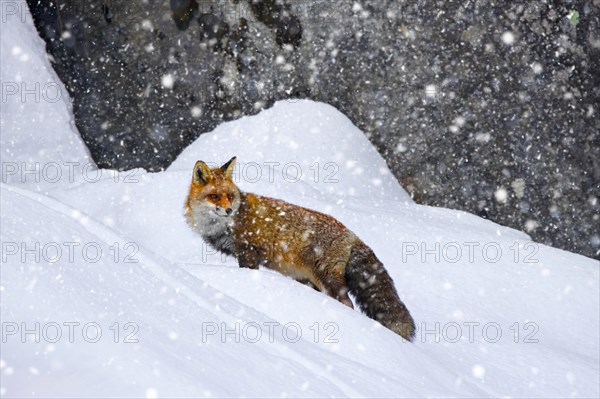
(141, 324)
(298, 141)
(39, 135)
(497, 314)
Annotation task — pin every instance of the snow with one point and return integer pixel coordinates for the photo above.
(297, 145)
(497, 314)
(168, 81)
(508, 38)
(39, 136)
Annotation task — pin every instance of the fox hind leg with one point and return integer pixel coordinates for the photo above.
(326, 261)
(334, 287)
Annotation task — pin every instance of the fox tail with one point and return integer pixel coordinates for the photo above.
(375, 293)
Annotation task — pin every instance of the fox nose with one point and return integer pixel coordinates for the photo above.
(228, 211)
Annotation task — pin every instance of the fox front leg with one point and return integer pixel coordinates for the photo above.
(247, 258)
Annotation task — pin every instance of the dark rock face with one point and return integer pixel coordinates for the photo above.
(490, 107)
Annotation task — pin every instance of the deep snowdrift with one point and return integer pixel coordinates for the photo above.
(498, 316)
(180, 292)
(38, 130)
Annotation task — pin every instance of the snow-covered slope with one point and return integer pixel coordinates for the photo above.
(497, 315)
(39, 136)
(179, 292)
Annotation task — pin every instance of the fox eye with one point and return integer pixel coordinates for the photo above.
(214, 197)
(230, 197)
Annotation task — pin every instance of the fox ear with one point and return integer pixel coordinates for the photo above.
(202, 173)
(227, 168)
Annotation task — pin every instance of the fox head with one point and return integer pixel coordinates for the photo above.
(213, 192)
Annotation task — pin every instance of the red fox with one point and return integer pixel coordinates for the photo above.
(298, 242)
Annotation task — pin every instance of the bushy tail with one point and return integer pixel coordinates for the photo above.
(375, 293)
